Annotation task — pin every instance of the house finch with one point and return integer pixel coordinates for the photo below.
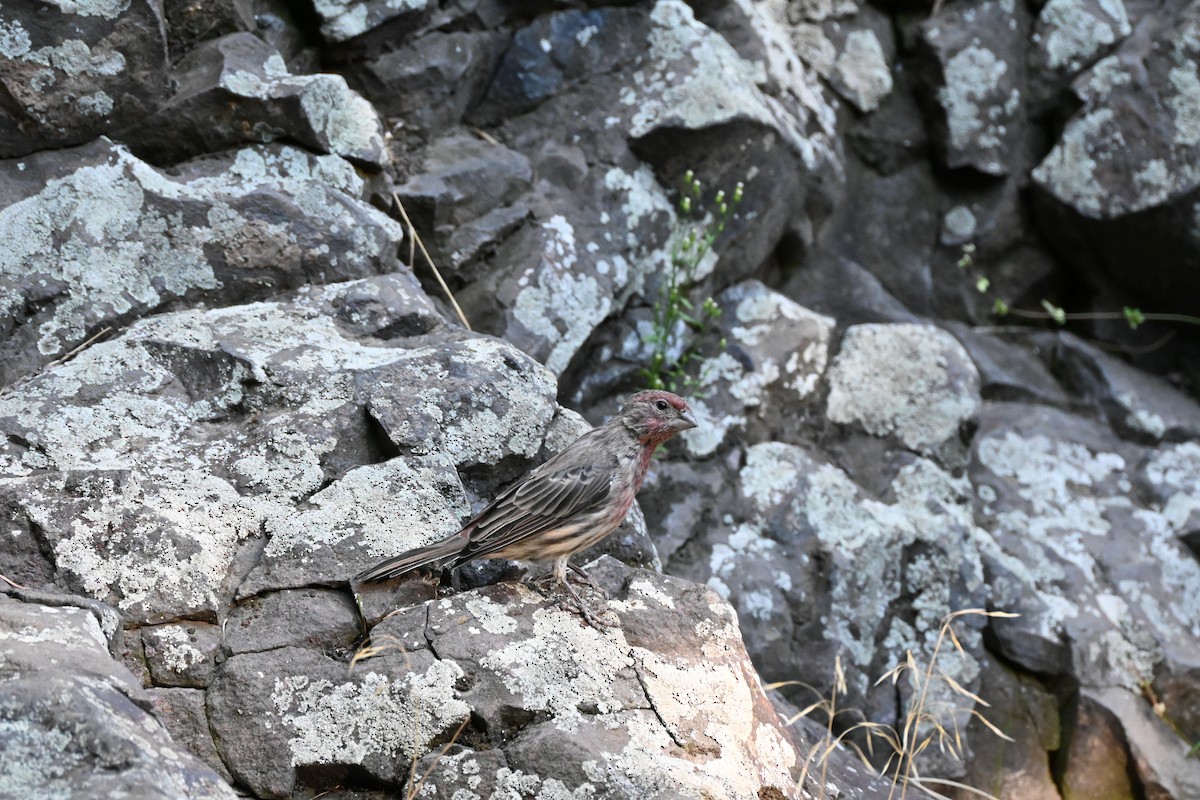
(567, 504)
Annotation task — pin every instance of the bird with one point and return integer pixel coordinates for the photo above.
(566, 505)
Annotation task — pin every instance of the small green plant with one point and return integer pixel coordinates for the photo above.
(672, 348)
(1134, 317)
(926, 722)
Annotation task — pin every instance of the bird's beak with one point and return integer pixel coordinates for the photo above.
(685, 421)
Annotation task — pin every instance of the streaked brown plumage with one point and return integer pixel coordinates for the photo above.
(567, 504)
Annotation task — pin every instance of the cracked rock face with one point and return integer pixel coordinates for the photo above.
(74, 722)
(97, 238)
(667, 700)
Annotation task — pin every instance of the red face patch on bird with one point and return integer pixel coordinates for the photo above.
(658, 415)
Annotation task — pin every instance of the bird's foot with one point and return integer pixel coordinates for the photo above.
(583, 577)
(586, 612)
(573, 602)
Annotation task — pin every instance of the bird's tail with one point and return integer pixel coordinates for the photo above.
(412, 559)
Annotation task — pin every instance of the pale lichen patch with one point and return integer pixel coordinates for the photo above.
(374, 715)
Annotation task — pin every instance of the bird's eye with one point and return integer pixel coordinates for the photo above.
(661, 405)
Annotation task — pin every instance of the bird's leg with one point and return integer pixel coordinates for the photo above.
(560, 575)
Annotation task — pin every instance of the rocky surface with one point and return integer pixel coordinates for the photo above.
(74, 722)
(230, 380)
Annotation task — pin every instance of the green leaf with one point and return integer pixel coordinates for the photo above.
(1134, 317)
(982, 284)
(1056, 313)
(1000, 308)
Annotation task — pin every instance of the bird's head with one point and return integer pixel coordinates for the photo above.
(655, 416)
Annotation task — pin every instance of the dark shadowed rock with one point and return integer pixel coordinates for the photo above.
(237, 89)
(1142, 407)
(1028, 714)
(72, 71)
(428, 85)
(1118, 189)
(467, 197)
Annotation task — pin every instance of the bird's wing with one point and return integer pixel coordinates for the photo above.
(545, 500)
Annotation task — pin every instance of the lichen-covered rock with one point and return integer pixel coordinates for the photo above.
(72, 71)
(342, 20)
(1114, 196)
(818, 569)
(913, 382)
(74, 722)
(1105, 588)
(664, 701)
(974, 54)
(112, 461)
(96, 238)
(1069, 36)
(237, 89)
(181, 654)
(757, 386)
(600, 218)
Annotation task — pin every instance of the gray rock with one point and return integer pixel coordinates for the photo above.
(1142, 407)
(1068, 37)
(817, 568)
(755, 387)
(595, 243)
(1160, 757)
(317, 618)
(861, 72)
(1010, 369)
(72, 72)
(225, 231)
(1077, 546)
(467, 196)
(237, 89)
(281, 711)
(567, 707)
(75, 721)
(913, 382)
(428, 85)
(1028, 714)
(846, 291)
(342, 20)
(975, 58)
(182, 712)
(1111, 195)
(190, 23)
(140, 469)
(181, 653)
(1095, 756)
